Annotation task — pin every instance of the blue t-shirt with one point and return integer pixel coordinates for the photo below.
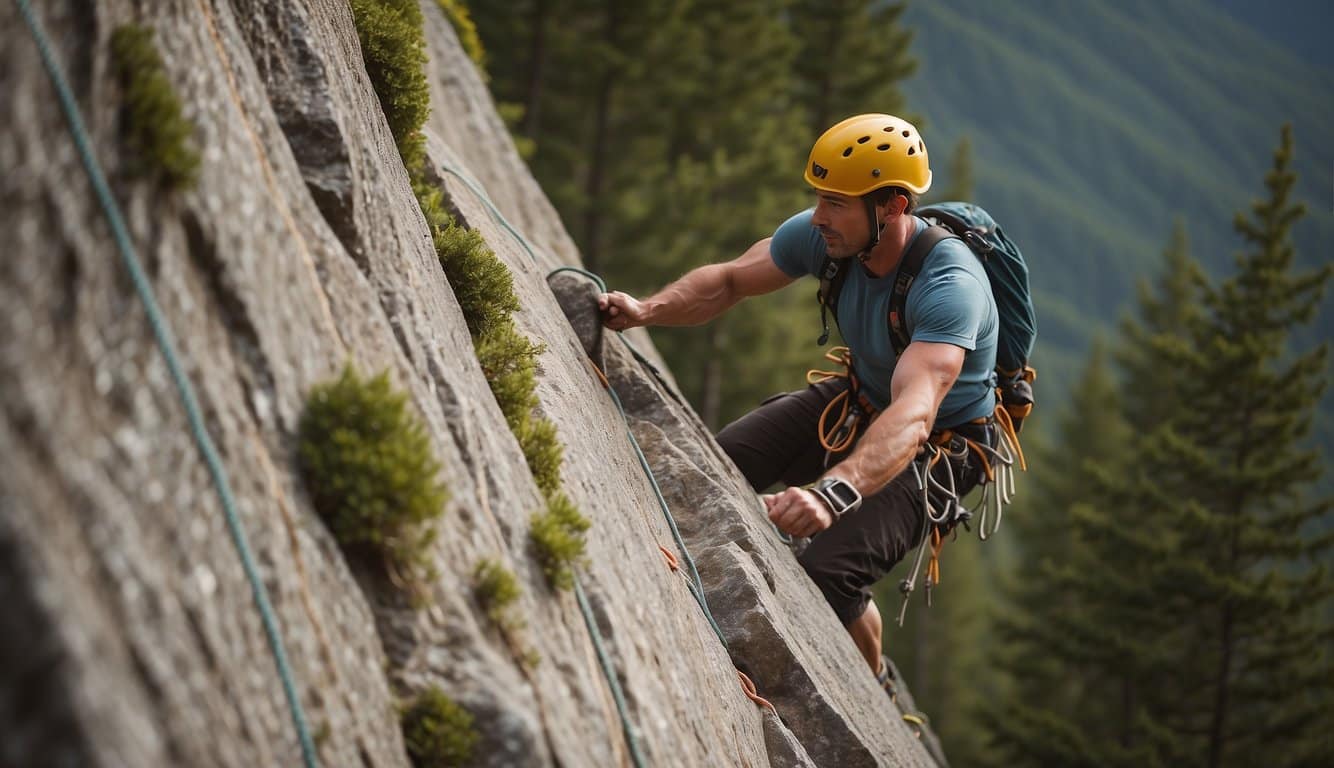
(950, 302)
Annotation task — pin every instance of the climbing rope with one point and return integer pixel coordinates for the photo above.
(163, 335)
(695, 583)
(609, 671)
(490, 207)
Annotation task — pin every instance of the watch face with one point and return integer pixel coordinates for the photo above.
(844, 493)
(840, 494)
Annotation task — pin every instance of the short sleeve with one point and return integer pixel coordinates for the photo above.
(949, 307)
(797, 248)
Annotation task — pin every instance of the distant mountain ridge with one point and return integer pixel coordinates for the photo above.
(1093, 124)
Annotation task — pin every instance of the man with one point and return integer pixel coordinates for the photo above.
(866, 508)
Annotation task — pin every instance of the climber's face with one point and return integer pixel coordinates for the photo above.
(842, 223)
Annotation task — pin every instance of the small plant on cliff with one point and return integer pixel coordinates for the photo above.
(394, 49)
(155, 129)
(496, 591)
(481, 282)
(437, 731)
(558, 537)
(457, 13)
(370, 471)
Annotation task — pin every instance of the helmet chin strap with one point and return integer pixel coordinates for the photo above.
(875, 229)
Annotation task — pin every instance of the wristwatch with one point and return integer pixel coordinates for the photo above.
(838, 495)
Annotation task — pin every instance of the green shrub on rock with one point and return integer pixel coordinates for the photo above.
(558, 537)
(394, 49)
(509, 362)
(437, 732)
(156, 130)
(481, 282)
(496, 589)
(368, 465)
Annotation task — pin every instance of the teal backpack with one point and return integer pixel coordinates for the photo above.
(1007, 272)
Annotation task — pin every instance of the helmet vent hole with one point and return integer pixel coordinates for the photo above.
(920, 147)
(883, 147)
(889, 129)
(911, 150)
(863, 139)
(906, 134)
(847, 152)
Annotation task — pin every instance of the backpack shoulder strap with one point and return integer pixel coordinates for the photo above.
(833, 273)
(909, 267)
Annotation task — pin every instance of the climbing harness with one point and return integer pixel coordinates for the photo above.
(997, 464)
(165, 341)
(850, 407)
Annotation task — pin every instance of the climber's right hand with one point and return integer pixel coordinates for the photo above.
(621, 311)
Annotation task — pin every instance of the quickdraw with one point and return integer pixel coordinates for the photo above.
(998, 488)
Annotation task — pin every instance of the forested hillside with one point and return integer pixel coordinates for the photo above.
(1094, 125)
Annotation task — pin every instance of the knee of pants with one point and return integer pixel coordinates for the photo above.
(839, 587)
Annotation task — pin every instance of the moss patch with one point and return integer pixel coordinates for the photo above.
(394, 50)
(368, 465)
(437, 731)
(558, 538)
(155, 129)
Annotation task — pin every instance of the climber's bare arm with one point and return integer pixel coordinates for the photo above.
(922, 378)
(701, 295)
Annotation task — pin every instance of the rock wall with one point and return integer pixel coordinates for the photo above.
(131, 636)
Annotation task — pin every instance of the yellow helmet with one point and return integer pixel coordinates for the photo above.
(866, 152)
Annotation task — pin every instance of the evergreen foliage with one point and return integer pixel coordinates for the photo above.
(558, 537)
(1095, 123)
(394, 50)
(156, 130)
(438, 732)
(1188, 621)
(852, 59)
(369, 468)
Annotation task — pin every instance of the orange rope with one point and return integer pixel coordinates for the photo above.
(752, 694)
(933, 567)
(827, 436)
(602, 377)
(839, 355)
(672, 562)
(1007, 426)
(982, 456)
(842, 402)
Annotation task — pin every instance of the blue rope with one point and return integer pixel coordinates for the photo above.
(609, 672)
(696, 583)
(164, 340)
(495, 213)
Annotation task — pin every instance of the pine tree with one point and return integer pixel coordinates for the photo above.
(853, 56)
(1259, 630)
(1165, 311)
(959, 176)
(1068, 671)
(1199, 630)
